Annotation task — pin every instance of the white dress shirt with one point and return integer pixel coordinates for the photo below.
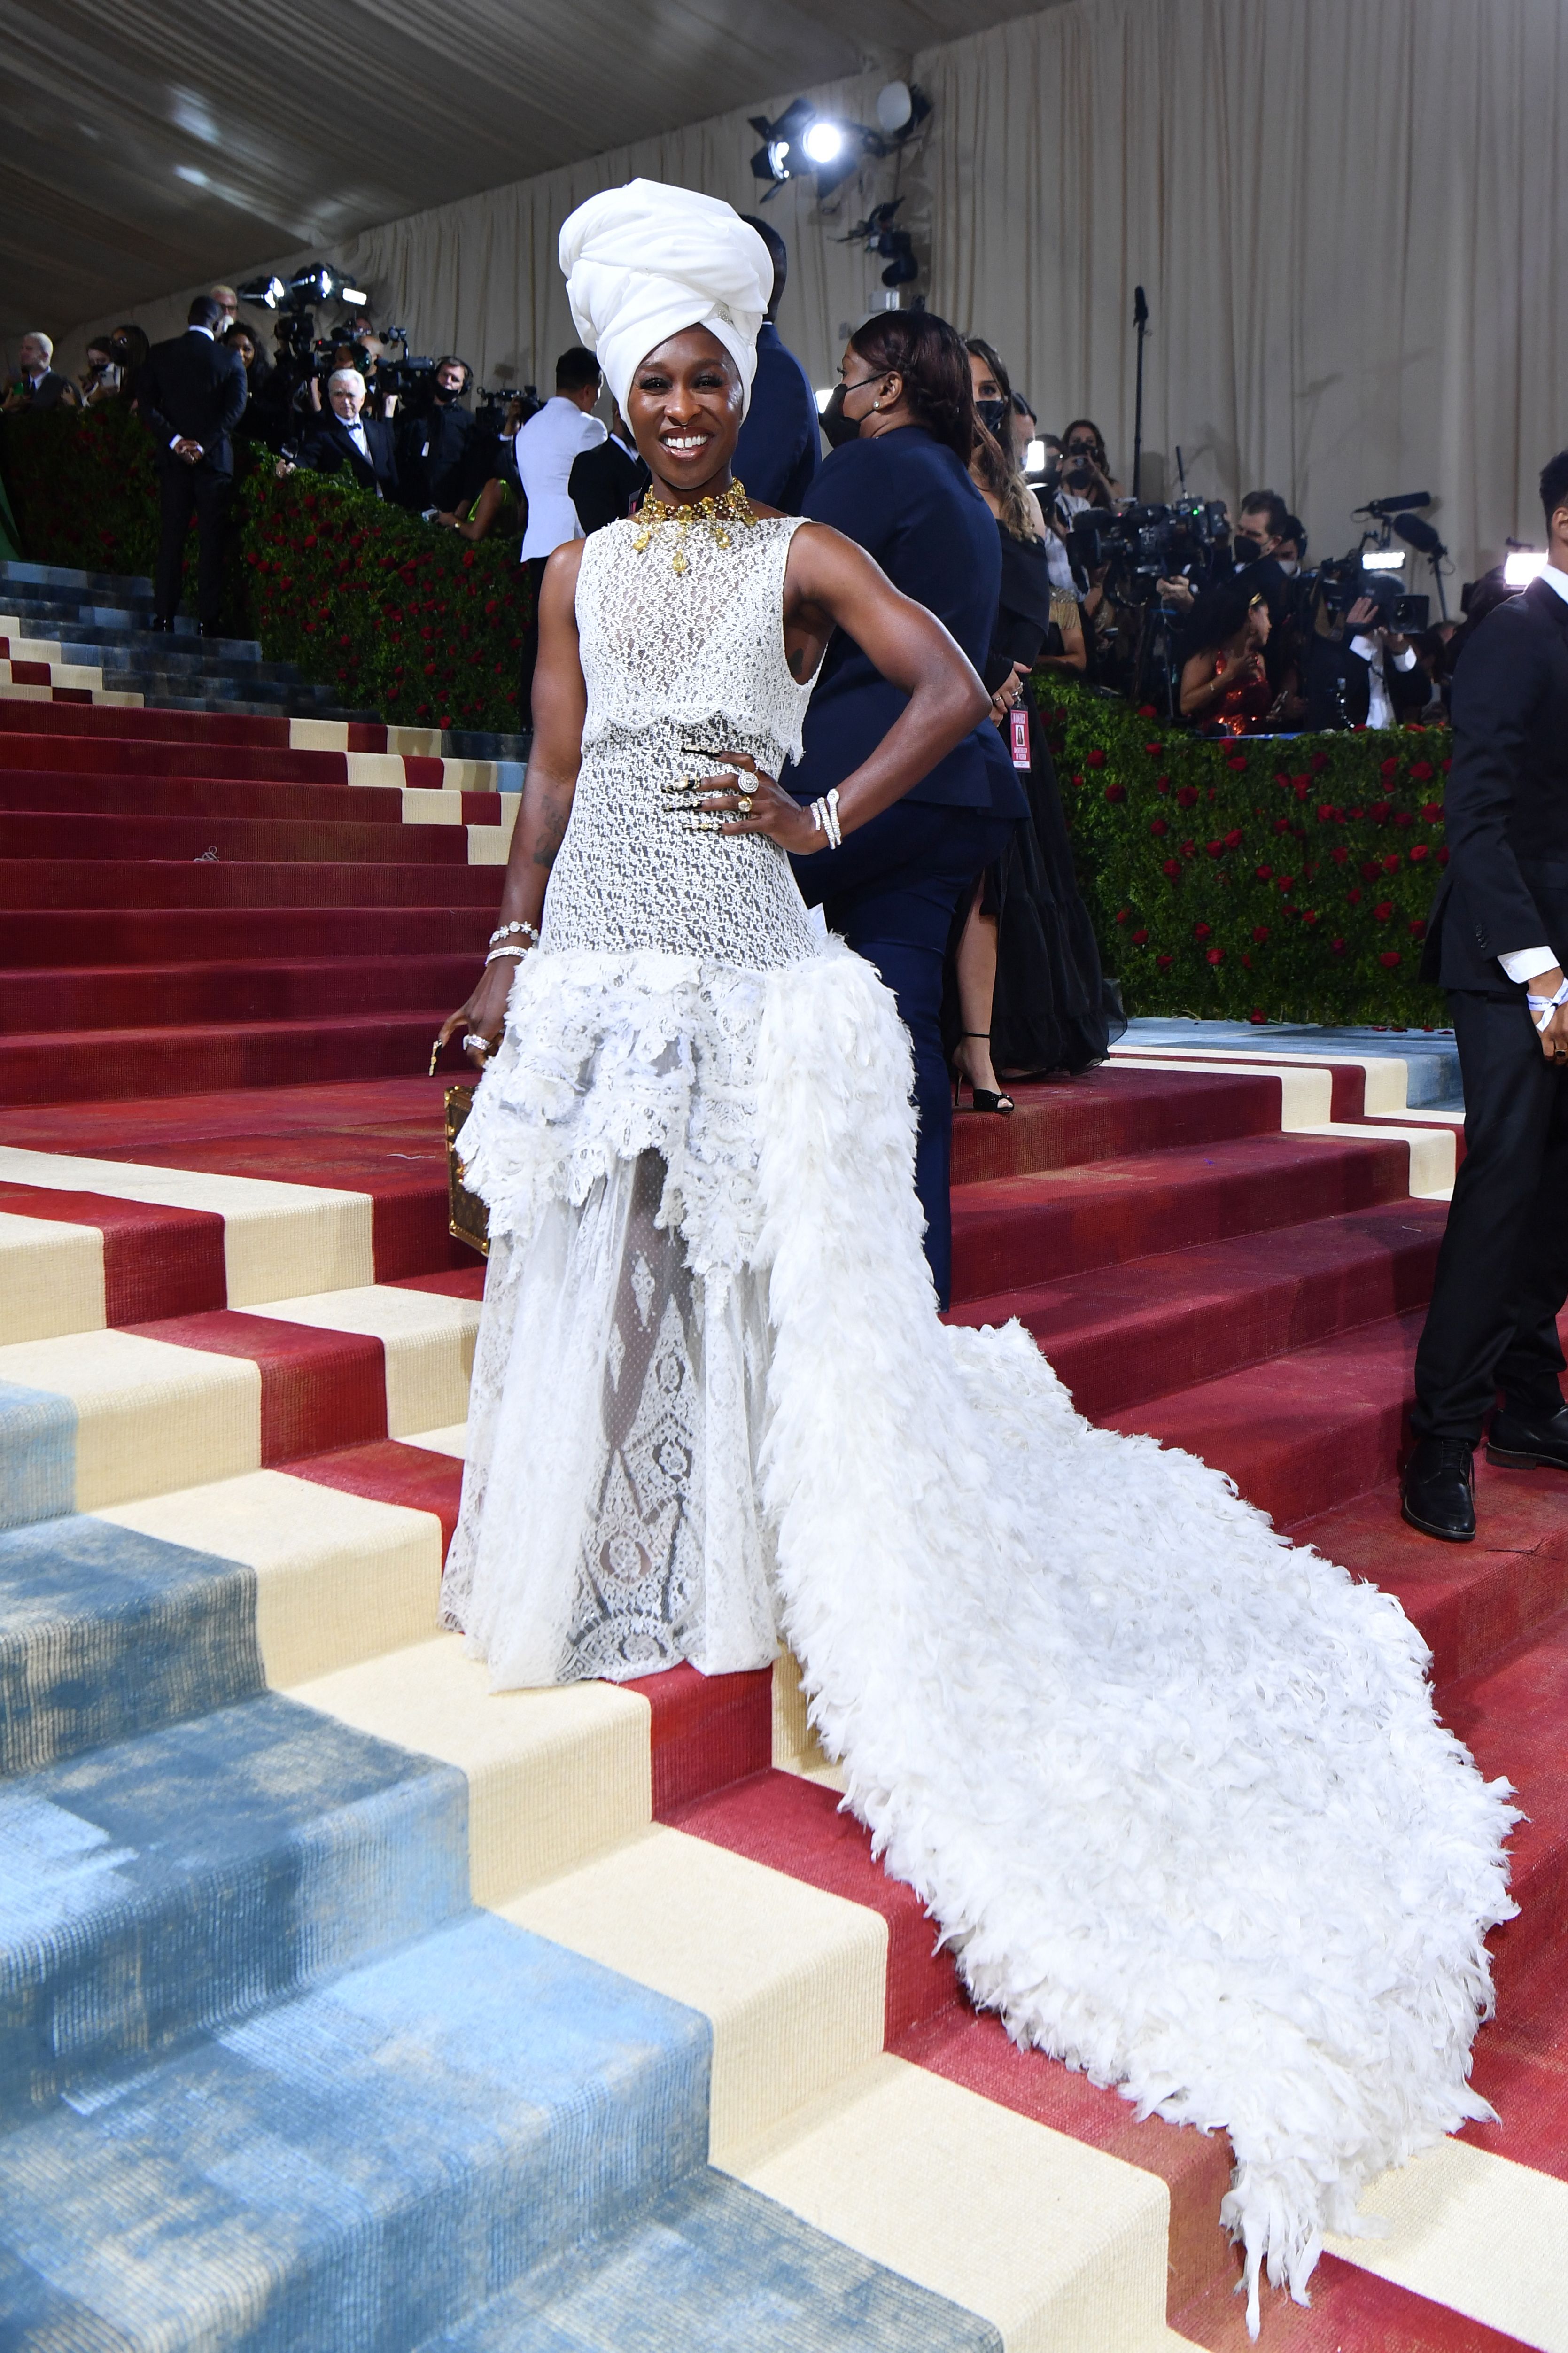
(546, 447)
(1529, 964)
(1379, 708)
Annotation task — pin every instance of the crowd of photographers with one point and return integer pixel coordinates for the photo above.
(1217, 621)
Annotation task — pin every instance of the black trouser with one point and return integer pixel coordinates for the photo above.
(890, 893)
(183, 491)
(1502, 1272)
(533, 567)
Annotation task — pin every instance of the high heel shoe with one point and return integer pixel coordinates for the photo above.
(983, 1098)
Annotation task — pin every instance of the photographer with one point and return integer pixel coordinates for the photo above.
(1085, 470)
(442, 462)
(1224, 676)
(348, 438)
(1361, 671)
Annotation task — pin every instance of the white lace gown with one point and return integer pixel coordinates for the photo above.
(1173, 1788)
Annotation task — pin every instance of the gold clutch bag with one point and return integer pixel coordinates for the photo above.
(467, 1220)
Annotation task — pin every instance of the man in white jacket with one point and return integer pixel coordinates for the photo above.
(547, 447)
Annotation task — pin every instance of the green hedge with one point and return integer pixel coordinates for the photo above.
(392, 614)
(1280, 879)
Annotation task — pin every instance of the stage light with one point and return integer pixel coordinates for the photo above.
(266, 291)
(1383, 559)
(823, 142)
(823, 398)
(1035, 458)
(1523, 566)
(352, 294)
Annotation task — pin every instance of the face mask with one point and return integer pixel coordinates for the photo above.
(838, 428)
(992, 414)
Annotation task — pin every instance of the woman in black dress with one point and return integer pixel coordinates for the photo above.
(1025, 992)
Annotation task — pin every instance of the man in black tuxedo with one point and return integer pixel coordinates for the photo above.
(606, 481)
(1497, 942)
(347, 438)
(40, 384)
(190, 393)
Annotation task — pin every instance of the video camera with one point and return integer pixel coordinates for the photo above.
(1144, 545)
(1333, 588)
(490, 408)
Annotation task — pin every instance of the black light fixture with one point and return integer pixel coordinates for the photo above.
(803, 141)
(880, 235)
(267, 294)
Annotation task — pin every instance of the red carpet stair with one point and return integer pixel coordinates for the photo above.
(170, 1021)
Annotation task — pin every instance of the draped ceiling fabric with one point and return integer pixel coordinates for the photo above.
(1347, 215)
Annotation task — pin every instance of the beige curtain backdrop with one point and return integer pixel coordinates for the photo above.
(1347, 216)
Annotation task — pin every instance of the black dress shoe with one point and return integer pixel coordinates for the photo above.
(1529, 1442)
(1440, 1488)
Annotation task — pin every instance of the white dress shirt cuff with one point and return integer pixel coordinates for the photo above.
(1364, 649)
(1527, 963)
(1406, 660)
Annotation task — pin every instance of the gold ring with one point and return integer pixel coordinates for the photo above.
(744, 803)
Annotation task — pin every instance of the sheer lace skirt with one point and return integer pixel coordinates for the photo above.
(609, 1524)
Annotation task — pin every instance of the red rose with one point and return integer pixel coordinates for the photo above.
(1161, 784)
(1418, 853)
(1122, 913)
(1418, 928)
(1382, 912)
(1281, 824)
(1433, 812)
(1260, 932)
(1338, 946)
(1443, 855)
(1095, 759)
(1116, 792)
(1302, 788)
(1078, 780)
(1232, 838)
(1264, 873)
(1353, 898)
(1214, 849)
(1163, 963)
(1147, 711)
(1286, 883)
(1339, 853)
(1381, 811)
(1200, 931)
(1153, 750)
(1390, 958)
(1138, 939)
(1158, 825)
(1171, 867)
(1404, 816)
(1390, 769)
(1422, 772)
(1258, 1014)
(1186, 796)
(1445, 765)
(1189, 849)
(1216, 956)
(1309, 915)
(1319, 762)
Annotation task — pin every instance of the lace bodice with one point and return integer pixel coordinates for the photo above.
(673, 660)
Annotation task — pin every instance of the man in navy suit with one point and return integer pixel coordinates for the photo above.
(1498, 940)
(346, 437)
(780, 446)
(190, 393)
(898, 484)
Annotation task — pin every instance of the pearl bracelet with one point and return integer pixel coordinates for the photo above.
(496, 952)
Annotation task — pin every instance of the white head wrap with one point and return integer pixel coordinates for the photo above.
(643, 261)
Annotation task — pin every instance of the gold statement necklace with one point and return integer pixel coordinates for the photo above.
(713, 513)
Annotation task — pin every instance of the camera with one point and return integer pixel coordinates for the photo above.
(1144, 545)
(490, 408)
(1334, 588)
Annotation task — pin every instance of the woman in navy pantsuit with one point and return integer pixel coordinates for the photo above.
(903, 425)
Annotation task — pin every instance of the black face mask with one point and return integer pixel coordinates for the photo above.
(992, 414)
(445, 392)
(838, 428)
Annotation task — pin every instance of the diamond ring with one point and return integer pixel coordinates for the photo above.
(474, 1043)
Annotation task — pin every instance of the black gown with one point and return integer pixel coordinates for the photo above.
(1053, 1009)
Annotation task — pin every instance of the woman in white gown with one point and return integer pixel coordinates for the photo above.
(1174, 1790)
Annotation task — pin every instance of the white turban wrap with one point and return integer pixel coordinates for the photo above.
(643, 261)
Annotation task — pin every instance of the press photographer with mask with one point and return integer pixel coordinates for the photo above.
(438, 457)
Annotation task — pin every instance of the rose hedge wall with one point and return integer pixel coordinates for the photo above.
(392, 614)
(1278, 879)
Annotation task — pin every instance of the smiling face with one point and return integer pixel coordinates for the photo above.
(684, 408)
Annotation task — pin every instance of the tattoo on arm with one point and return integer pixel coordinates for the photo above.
(551, 832)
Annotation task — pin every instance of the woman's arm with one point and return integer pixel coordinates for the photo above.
(559, 706)
(832, 584)
(1203, 682)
